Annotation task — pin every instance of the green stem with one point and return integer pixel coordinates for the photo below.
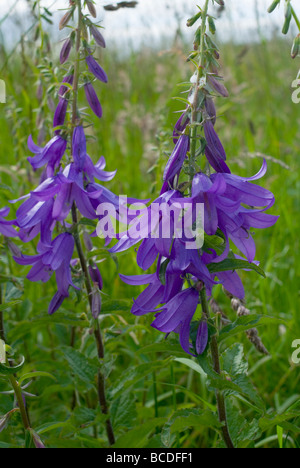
(19, 397)
(155, 394)
(217, 368)
(2, 333)
(83, 263)
(296, 18)
(195, 100)
(97, 332)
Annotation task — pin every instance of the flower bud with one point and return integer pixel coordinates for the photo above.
(93, 100)
(96, 303)
(97, 36)
(211, 25)
(296, 47)
(190, 22)
(65, 19)
(197, 39)
(65, 51)
(272, 7)
(91, 8)
(220, 2)
(288, 17)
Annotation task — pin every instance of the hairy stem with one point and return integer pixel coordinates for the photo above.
(217, 368)
(96, 328)
(97, 332)
(197, 84)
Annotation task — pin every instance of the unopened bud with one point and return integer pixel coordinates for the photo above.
(211, 25)
(288, 17)
(272, 7)
(96, 303)
(99, 39)
(65, 19)
(296, 47)
(14, 248)
(197, 39)
(220, 2)
(191, 21)
(65, 51)
(92, 9)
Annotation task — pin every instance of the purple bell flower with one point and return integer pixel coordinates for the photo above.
(51, 154)
(54, 258)
(6, 228)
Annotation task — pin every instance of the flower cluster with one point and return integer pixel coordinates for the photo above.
(69, 180)
(232, 206)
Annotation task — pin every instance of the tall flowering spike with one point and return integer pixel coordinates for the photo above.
(69, 179)
(232, 207)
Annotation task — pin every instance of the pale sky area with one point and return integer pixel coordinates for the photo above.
(154, 19)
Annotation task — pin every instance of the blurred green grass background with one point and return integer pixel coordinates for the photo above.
(259, 118)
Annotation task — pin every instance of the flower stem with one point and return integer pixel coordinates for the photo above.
(96, 328)
(97, 332)
(2, 333)
(197, 85)
(297, 21)
(19, 397)
(217, 368)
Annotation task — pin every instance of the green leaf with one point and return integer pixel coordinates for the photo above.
(270, 421)
(231, 264)
(123, 411)
(80, 365)
(138, 437)
(9, 304)
(184, 419)
(133, 375)
(48, 427)
(247, 322)
(32, 375)
(116, 306)
(13, 369)
(88, 222)
(61, 318)
(242, 431)
(173, 349)
(233, 360)
(280, 436)
(191, 364)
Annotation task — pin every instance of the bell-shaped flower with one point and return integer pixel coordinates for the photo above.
(6, 227)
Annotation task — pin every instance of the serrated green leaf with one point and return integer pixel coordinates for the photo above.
(233, 360)
(123, 411)
(184, 419)
(80, 365)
